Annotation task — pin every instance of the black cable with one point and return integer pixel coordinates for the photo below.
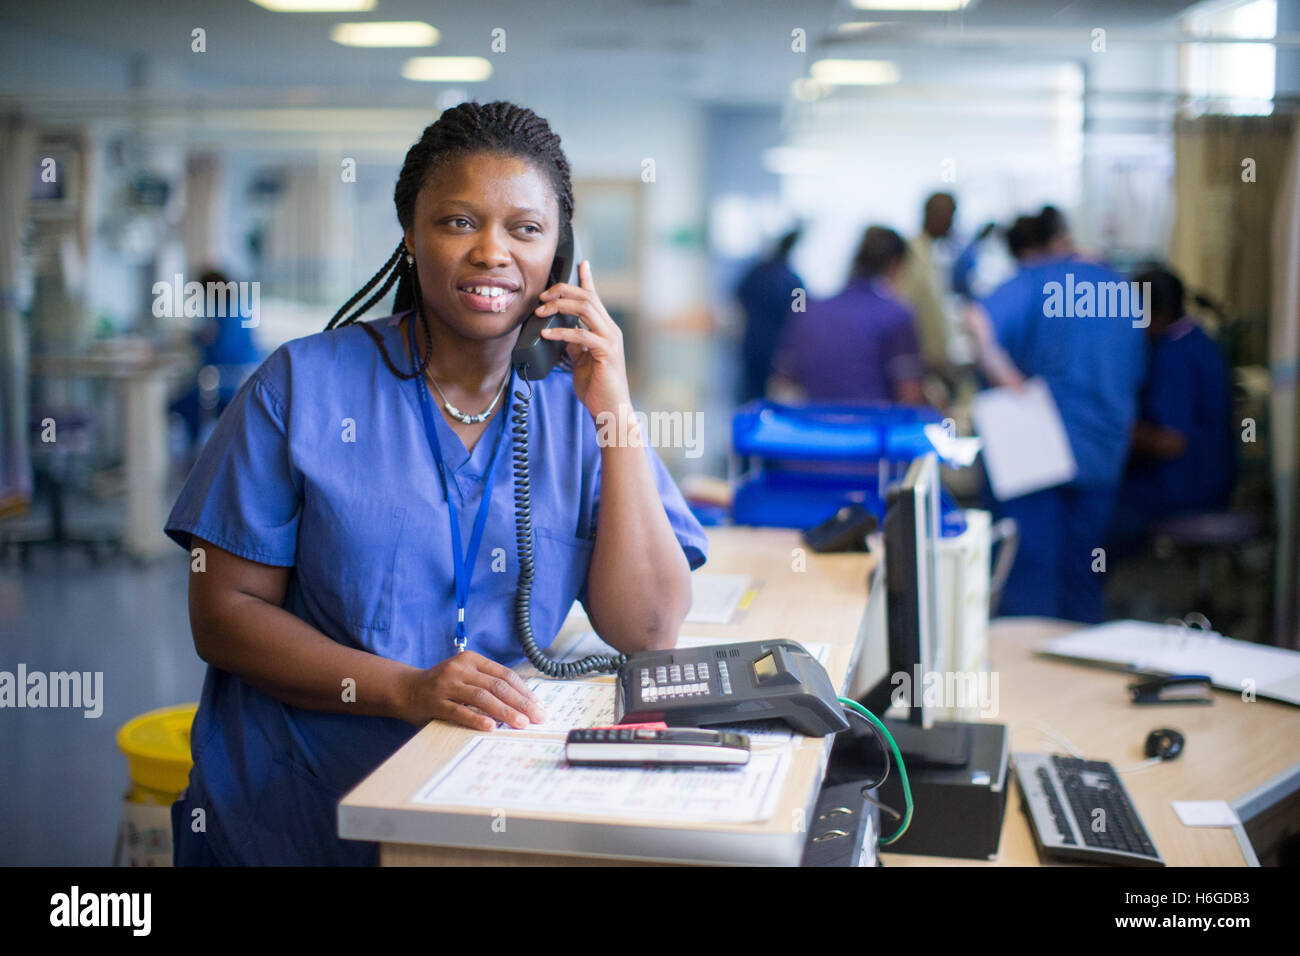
(872, 800)
(884, 749)
(547, 665)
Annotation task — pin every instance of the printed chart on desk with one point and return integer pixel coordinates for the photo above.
(512, 771)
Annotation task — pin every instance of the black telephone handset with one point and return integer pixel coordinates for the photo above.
(534, 356)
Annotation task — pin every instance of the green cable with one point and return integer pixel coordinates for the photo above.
(898, 759)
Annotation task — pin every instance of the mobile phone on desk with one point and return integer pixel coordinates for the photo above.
(644, 746)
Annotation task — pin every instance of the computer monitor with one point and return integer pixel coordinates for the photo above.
(911, 581)
(911, 542)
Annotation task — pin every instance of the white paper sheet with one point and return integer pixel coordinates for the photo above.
(1025, 445)
(1205, 813)
(569, 704)
(957, 452)
(715, 597)
(1168, 649)
(514, 772)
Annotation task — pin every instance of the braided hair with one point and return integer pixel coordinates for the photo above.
(499, 127)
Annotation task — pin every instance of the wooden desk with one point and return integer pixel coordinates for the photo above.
(1232, 746)
(802, 596)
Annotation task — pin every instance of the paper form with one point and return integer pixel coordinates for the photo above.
(519, 773)
(1025, 446)
(569, 704)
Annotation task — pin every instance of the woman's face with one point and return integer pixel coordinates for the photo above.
(479, 221)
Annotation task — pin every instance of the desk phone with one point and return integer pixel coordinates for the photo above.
(729, 684)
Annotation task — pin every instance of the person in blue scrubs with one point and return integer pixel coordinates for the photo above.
(766, 295)
(227, 346)
(1094, 365)
(327, 581)
(1184, 453)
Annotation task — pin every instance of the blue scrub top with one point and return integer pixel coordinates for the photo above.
(321, 463)
(1094, 366)
(1189, 389)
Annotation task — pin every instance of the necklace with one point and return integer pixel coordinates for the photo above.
(460, 416)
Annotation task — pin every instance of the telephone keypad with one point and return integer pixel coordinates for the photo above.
(675, 682)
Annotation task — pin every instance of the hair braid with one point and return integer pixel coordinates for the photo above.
(499, 128)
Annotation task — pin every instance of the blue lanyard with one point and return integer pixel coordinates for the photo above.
(462, 564)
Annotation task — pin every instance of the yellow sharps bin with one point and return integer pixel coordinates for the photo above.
(157, 749)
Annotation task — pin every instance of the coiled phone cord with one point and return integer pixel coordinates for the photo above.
(547, 665)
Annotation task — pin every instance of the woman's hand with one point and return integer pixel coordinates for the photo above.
(468, 680)
(599, 371)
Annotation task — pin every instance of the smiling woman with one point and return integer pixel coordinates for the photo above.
(363, 573)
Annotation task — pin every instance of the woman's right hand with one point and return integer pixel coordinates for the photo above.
(470, 690)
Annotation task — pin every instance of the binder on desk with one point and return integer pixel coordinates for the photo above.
(1239, 666)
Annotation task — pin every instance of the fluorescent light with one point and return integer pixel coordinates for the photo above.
(316, 6)
(395, 33)
(855, 72)
(447, 69)
(925, 5)
(860, 26)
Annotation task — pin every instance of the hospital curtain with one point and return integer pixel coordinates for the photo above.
(205, 219)
(17, 156)
(307, 243)
(1221, 223)
(1284, 366)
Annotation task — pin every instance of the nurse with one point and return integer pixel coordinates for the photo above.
(354, 563)
(1093, 360)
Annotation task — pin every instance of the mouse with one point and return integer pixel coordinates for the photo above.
(1164, 743)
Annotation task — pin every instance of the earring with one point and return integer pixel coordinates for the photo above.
(410, 260)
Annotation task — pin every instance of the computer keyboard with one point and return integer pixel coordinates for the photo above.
(1079, 810)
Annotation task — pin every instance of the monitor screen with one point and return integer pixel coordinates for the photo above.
(911, 584)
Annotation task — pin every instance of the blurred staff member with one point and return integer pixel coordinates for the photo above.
(766, 295)
(1184, 452)
(1027, 241)
(1094, 367)
(228, 349)
(965, 265)
(1055, 233)
(859, 346)
(922, 282)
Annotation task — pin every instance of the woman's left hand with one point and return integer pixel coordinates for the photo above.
(596, 352)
